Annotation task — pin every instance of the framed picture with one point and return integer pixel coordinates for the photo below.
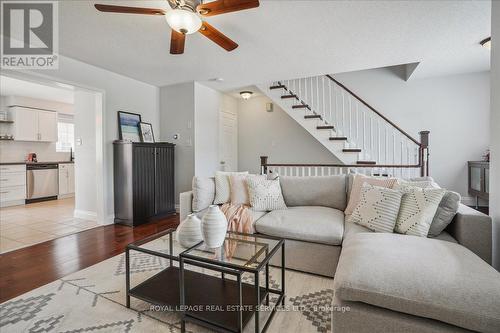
(146, 131)
(128, 126)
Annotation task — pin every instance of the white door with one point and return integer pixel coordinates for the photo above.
(25, 124)
(47, 126)
(228, 141)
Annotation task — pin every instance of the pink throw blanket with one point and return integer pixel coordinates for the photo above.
(239, 219)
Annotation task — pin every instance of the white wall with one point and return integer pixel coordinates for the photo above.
(455, 109)
(274, 134)
(120, 94)
(177, 117)
(85, 155)
(495, 132)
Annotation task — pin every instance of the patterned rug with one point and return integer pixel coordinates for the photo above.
(93, 300)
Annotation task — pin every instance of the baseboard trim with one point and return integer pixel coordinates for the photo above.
(65, 196)
(177, 208)
(4, 204)
(85, 215)
(110, 219)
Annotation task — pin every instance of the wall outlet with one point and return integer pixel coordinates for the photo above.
(79, 141)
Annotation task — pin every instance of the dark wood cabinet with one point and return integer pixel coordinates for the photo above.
(143, 181)
(479, 180)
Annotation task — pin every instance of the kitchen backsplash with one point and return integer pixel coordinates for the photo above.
(12, 151)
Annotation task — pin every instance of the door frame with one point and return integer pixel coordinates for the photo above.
(102, 191)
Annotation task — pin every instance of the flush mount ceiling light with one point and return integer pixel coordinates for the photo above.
(246, 94)
(486, 43)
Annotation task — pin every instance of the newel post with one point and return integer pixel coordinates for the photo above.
(424, 153)
(263, 165)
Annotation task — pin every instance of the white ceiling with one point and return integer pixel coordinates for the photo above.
(14, 87)
(283, 39)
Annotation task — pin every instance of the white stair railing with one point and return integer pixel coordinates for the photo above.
(380, 140)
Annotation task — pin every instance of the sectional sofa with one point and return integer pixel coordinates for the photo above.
(389, 282)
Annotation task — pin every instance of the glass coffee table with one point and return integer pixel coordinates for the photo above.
(220, 288)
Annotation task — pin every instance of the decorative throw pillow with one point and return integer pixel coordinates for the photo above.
(418, 207)
(358, 182)
(445, 213)
(239, 188)
(203, 193)
(427, 183)
(222, 187)
(265, 195)
(377, 208)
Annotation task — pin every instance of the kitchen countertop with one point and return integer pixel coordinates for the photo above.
(43, 162)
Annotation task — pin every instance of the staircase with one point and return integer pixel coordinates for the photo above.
(351, 129)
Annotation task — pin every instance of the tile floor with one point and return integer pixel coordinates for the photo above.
(26, 225)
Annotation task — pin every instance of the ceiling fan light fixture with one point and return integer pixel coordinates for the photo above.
(183, 21)
(486, 43)
(246, 94)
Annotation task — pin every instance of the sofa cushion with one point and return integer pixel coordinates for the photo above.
(420, 276)
(326, 191)
(357, 184)
(203, 193)
(308, 223)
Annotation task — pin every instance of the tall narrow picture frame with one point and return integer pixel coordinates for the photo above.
(146, 132)
(128, 126)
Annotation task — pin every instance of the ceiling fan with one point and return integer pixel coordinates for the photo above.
(185, 18)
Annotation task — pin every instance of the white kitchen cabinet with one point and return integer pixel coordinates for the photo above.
(66, 180)
(12, 185)
(25, 124)
(47, 126)
(34, 125)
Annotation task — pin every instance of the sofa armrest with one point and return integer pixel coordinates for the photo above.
(473, 230)
(185, 205)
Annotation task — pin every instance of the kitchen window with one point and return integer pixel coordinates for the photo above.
(65, 133)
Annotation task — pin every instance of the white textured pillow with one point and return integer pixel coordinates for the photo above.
(425, 183)
(222, 186)
(203, 193)
(418, 207)
(377, 208)
(239, 188)
(265, 195)
(355, 190)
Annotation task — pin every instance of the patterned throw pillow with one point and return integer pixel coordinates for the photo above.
(418, 207)
(203, 193)
(265, 195)
(358, 182)
(239, 188)
(428, 183)
(222, 187)
(377, 209)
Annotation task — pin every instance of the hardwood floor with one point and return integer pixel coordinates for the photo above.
(31, 267)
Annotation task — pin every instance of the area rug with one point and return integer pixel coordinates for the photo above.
(93, 300)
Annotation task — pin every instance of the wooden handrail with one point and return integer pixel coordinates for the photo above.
(373, 109)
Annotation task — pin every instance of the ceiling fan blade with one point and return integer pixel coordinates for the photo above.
(217, 37)
(225, 6)
(177, 41)
(129, 10)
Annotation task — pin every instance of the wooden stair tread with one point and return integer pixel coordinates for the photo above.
(289, 96)
(313, 116)
(300, 106)
(335, 138)
(367, 162)
(324, 127)
(351, 150)
(280, 86)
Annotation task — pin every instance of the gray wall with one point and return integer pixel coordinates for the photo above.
(495, 132)
(177, 117)
(455, 109)
(276, 135)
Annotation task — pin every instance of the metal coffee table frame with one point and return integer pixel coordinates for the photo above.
(153, 289)
(236, 270)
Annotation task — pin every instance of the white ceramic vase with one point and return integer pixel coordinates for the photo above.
(189, 231)
(214, 227)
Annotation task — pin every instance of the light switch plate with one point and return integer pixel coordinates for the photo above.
(79, 141)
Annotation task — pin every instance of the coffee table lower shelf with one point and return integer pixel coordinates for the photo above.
(211, 294)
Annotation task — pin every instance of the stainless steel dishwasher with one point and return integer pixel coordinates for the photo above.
(42, 182)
